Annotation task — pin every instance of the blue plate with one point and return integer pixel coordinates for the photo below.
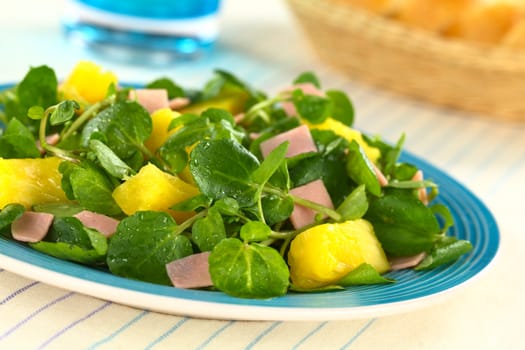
(413, 289)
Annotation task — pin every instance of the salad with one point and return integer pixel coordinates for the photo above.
(223, 187)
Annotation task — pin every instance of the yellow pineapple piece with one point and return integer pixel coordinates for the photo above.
(87, 83)
(233, 103)
(324, 254)
(154, 189)
(161, 120)
(30, 181)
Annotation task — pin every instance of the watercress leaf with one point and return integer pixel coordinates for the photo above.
(363, 274)
(38, 88)
(343, 109)
(193, 203)
(68, 230)
(443, 252)
(142, 246)
(227, 206)
(125, 126)
(63, 112)
(255, 231)
(17, 141)
(403, 224)
(444, 213)
(276, 209)
(10, 213)
(35, 112)
(109, 160)
(403, 172)
(173, 89)
(67, 251)
(58, 209)
(248, 270)
(308, 77)
(223, 168)
(207, 232)
(360, 169)
(329, 288)
(411, 184)
(314, 109)
(99, 242)
(91, 187)
(355, 204)
(271, 163)
(216, 115)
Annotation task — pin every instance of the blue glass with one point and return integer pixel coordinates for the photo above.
(183, 28)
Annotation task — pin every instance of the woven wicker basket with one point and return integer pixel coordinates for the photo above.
(490, 80)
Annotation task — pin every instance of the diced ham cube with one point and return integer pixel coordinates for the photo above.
(405, 262)
(178, 102)
(102, 223)
(300, 139)
(380, 176)
(150, 99)
(307, 88)
(314, 191)
(190, 272)
(31, 226)
(422, 192)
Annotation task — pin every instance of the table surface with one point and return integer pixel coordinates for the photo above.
(263, 44)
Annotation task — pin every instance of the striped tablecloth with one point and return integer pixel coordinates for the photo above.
(265, 48)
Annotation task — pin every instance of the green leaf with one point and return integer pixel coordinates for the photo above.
(403, 224)
(63, 112)
(173, 89)
(193, 203)
(270, 164)
(66, 251)
(68, 230)
(35, 112)
(10, 213)
(362, 275)
(142, 246)
(38, 88)
(444, 212)
(227, 206)
(313, 108)
(87, 184)
(411, 184)
(208, 231)
(17, 141)
(124, 125)
(255, 231)
(443, 252)
(248, 270)
(223, 168)
(308, 77)
(361, 170)
(355, 204)
(58, 209)
(343, 109)
(110, 161)
(276, 209)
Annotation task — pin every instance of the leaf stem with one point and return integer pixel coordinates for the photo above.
(306, 203)
(189, 222)
(50, 148)
(88, 113)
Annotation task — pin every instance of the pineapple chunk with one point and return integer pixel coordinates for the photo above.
(324, 254)
(154, 189)
(30, 181)
(161, 120)
(87, 83)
